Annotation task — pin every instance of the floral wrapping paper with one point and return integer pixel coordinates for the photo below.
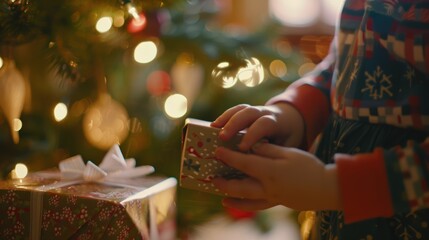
(140, 208)
(198, 163)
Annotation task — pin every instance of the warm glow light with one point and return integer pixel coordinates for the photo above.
(331, 10)
(21, 170)
(137, 24)
(278, 68)
(145, 52)
(1, 62)
(118, 19)
(305, 68)
(284, 48)
(104, 24)
(17, 124)
(223, 65)
(132, 10)
(60, 112)
(295, 13)
(176, 106)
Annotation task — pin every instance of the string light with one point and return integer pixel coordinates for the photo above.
(176, 106)
(104, 24)
(17, 124)
(145, 52)
(60, 112)
(138, 22)
(21, 170)
(131, 9)
(1, 62)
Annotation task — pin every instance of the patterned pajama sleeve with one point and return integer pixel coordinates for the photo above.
(392, 181)
(381, 62)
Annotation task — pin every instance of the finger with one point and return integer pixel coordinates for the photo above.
(239, 121)
(250, 164)
(247, 204)
(225, 116)
(244, 188)
(263, 127)
(272, 151)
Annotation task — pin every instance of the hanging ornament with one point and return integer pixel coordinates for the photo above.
(187, 77)
(252, 74)
(224, 75)
(12, 95)
(105, 123)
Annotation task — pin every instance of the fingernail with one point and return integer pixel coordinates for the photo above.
(256, 146)
(223, 135)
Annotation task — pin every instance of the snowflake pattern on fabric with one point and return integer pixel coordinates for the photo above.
(407, 226)
(410, 75)
(377, 84)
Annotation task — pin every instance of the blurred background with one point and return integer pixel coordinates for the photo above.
(78, 76)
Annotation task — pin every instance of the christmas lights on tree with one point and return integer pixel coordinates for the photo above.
(78, 76)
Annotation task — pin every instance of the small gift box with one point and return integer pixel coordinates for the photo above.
(198, 163)
(115, 200)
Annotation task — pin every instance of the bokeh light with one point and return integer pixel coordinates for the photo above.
(306, 68)
(284, 47)
(278, 68)
(118, 18)
(176, 106)
(331, 11)
(1, 62)
(17, 124)
(60, 112)
(158, 82)
(106, 122)
(104, 24)
(137, 24)
(295, 13)
(21, 170)
(145, 52)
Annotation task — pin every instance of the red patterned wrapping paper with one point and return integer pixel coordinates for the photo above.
(138, 208)
(198, 163)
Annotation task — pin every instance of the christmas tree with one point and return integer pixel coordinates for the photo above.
(78, 76)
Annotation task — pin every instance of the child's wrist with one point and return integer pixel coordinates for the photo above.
(331, 188)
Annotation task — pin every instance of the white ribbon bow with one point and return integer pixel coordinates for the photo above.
(113, 166)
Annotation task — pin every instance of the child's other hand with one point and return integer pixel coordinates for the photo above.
(279, 175)
(281, 123)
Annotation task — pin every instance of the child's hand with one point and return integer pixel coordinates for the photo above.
(279, 175)
(280, 123)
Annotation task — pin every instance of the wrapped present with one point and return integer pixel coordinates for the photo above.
(198, 163)
(115, 200)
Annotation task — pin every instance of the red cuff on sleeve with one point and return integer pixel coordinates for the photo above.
(311, 103)
(364, 187)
